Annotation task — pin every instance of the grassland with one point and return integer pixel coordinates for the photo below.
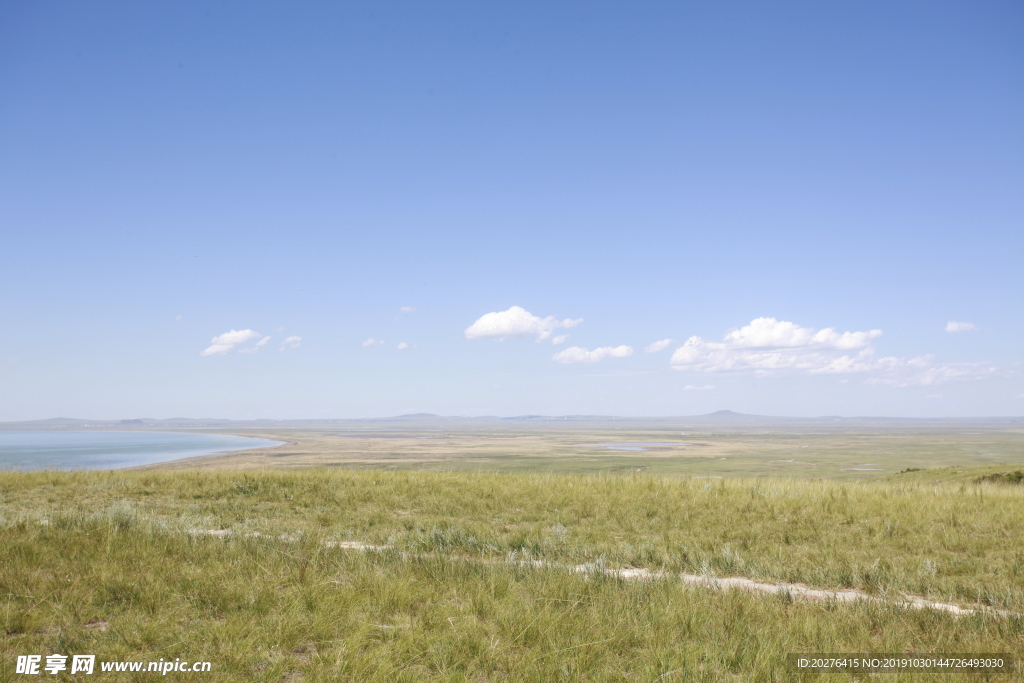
(108, 563)
(726, 450)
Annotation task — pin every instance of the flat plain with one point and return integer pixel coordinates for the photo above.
(803, 450)
(447, 554)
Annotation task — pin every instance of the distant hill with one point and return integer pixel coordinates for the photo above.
(719, 417)
(731, 415)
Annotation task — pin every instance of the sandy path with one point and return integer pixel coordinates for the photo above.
(795, 591)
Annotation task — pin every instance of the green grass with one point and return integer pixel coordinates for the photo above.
(989, 474)
(1015, 477)
(115, 548)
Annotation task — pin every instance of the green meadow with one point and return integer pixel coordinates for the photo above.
(122, 564)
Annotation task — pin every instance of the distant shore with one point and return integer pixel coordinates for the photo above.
(28, 449)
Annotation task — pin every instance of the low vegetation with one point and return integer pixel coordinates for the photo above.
(110, 563)
(812, 450)
(988, 474)
(1015, 477)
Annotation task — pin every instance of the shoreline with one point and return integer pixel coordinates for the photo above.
(219, 454)
(214, 451)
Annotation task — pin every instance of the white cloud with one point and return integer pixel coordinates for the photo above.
(953, 326)
(372, 342)
(772, 333)
(516, 322)
(406, 309)
(578, 354)
(255, 349)
(228, 342)
(178, 317)
(402, 346)
(291, 342)
(658, 346)
(768, 345)
(278, 329)
(706, 387)
(560, 339)
(923, 371)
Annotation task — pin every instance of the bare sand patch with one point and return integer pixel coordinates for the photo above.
(794, 591)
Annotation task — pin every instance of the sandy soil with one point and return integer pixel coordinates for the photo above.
(795, 591)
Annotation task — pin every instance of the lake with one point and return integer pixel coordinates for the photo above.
(22, 449)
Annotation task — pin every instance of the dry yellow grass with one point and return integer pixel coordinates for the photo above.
(795, 451)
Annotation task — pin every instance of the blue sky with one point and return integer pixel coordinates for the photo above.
(172, 172)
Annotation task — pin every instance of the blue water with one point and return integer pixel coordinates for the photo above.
(634, 446)
(22, 449)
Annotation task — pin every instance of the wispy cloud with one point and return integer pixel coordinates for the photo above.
(578, 354)
(691, 387)
(922, 371)
(229, 341)
(406, 309)
(560, 339)
(373, 342)
(292, 342)
(516, 322)
(661, 345)
(255, 349)
(402, 346)
(953, 326)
